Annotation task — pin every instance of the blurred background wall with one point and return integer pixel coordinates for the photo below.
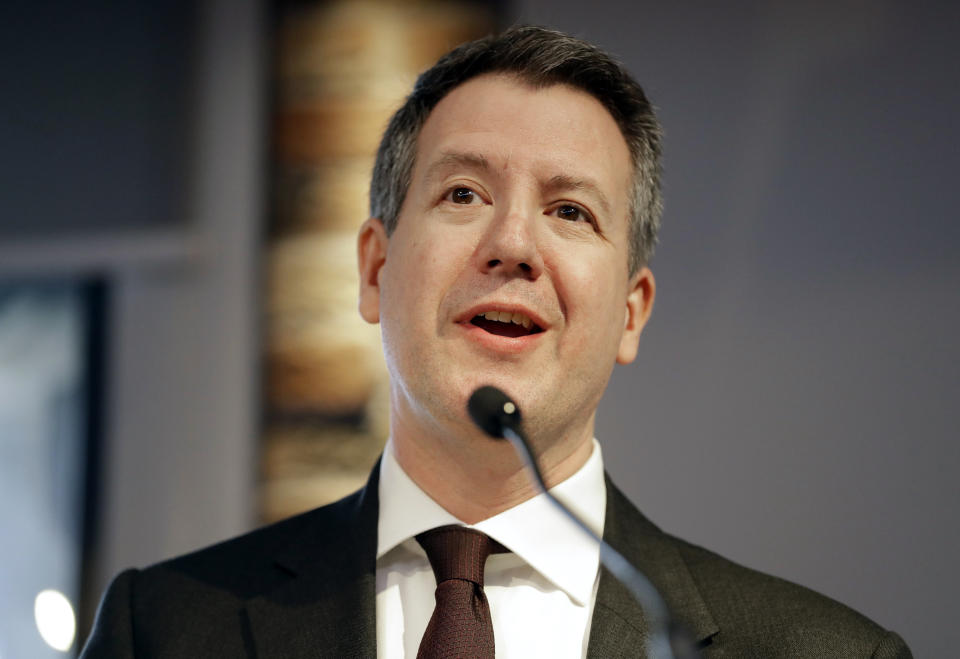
(793, 405)
(133, 159)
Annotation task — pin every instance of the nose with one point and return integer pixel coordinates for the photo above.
(509, 246)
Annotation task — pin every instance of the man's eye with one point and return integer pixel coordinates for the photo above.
(571, 213)
(462, 196)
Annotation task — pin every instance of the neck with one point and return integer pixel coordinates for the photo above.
(474, 477)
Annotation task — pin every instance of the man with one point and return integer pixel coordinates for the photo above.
(515, 203)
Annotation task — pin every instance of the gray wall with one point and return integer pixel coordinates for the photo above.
(167, 210)
(793, 406)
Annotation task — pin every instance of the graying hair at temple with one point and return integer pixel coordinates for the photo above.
(541, 58)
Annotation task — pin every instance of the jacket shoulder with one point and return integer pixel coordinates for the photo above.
(760, 615)
(189, 605)
(249, 563)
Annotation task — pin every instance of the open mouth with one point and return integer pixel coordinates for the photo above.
(506, 323)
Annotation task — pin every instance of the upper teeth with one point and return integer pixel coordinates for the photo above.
(508, 317)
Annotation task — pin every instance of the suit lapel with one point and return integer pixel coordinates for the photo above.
(618, 628)
(327, 608)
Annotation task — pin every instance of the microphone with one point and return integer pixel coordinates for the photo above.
(499, 417)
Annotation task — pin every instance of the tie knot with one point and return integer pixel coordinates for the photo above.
(456, 552)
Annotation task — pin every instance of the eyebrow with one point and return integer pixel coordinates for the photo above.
(562, 182)
(457, 159)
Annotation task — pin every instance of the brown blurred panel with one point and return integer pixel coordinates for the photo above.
(304, 464)
(342, 68)
(331, 194)
(331, 129)
(321, 355)
(368, 49)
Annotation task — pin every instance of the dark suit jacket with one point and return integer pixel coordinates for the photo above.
(305, 587)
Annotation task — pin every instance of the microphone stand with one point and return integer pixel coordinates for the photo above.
(658, 644)
(499, 417)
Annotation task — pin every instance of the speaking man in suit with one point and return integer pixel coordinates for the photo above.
(515, 203)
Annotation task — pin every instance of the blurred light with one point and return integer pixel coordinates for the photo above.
(55, 619)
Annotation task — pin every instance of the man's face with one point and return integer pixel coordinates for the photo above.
(508, 265)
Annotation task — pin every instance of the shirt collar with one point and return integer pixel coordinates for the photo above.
(534, 530)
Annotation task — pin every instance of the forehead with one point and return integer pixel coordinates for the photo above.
(507, 125)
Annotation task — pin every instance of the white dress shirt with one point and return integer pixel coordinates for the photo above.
(541, 594)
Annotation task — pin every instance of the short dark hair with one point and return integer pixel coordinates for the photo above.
(541, 58)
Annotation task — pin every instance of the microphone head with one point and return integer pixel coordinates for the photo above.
(492, 410)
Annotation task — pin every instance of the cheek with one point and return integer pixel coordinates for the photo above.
(595, 299)
(416, 276)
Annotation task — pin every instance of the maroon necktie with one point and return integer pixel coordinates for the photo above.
(460, 625)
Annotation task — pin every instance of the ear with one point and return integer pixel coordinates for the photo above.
(371, 255)
(643, 289)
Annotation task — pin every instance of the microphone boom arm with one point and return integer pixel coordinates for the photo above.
(658, 643)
